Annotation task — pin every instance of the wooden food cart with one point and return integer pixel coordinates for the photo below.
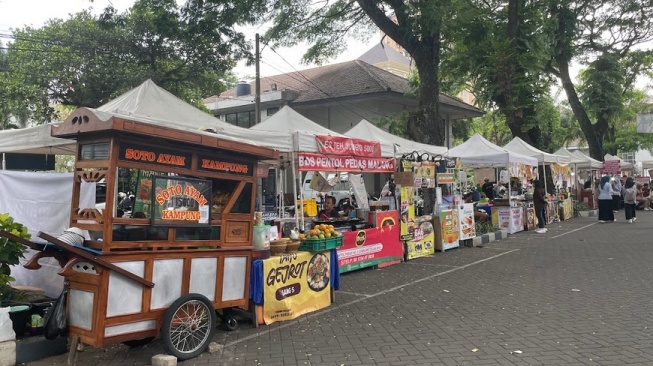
(161, 263)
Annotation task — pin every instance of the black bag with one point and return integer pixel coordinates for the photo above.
(55, 322)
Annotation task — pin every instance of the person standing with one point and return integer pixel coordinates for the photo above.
(539, 202)
(616, 194)
(630, 200)
(605, 200)
(488, 189)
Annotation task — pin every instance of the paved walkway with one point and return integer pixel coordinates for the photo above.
(580, 294)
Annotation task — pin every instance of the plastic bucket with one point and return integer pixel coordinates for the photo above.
(261, 239)
(20, 316)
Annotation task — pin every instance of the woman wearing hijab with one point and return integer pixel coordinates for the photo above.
(605, 200)
(539, 202)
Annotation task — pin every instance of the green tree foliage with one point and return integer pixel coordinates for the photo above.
(417, 26)
(604, 35)
(87, 60)
(499, 50)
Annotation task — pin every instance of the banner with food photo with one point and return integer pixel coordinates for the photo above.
(467, 224)
(407, 209)
(422, 243)
(449, 229)
(560, 173)
(295, 284)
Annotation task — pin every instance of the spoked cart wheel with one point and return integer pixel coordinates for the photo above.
(188, 326)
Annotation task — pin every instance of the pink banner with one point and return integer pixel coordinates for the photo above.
(312, 162)
(336, 145)
(612, 167)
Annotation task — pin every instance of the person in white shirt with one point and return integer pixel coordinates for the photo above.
(606, 214)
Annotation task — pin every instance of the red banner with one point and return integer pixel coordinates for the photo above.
(378, 246)
(612, 167)
(336, 145)
(312, 162)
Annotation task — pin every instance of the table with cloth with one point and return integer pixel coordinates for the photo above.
(294, 284)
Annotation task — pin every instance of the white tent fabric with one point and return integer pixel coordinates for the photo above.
(368, 131)
(624, 164)
(521, 147)
(35, 140)
(290, 122)
(573, 159)
(147, 103)
(589, 162)
(477, 152)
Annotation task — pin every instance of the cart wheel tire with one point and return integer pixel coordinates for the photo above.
(188, 326)
(230, 323)
(138, 342)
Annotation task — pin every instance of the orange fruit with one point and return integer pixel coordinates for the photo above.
(302, 236)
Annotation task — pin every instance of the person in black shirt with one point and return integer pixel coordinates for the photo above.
(488, 188)
(329, 210)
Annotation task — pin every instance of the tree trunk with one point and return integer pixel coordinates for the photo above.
(425, 124)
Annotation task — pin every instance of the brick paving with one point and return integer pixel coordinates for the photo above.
(580, 294)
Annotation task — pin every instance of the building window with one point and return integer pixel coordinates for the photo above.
(272, 111)
(242, 119)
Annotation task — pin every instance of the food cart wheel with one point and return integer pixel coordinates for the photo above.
(188, 326)
(138, 342)
(228, 317)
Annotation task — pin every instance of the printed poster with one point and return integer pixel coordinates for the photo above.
(422, 243)
(295, 284)
(449, 229)
(517, 217)
(467, 224)
(407, 209)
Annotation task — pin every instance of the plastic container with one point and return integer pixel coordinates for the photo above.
(310, 206)
(20, 316)
(6, 329)
(320, 245)
(261, 238)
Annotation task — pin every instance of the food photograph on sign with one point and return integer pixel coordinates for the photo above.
(181, 201)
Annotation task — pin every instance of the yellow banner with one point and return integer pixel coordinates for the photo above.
(295, 284)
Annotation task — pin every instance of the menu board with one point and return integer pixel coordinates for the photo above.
(529, 218)
(466, 219)
(517, 216)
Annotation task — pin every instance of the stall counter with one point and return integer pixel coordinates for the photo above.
(378, 246)
(508, 218)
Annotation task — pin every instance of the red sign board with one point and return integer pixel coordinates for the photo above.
(612, 167)
(370, 247)
(336, 145)
(312, 162)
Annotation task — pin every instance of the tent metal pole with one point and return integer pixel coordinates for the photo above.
(294, 187)
(544, 175)
(4, 162)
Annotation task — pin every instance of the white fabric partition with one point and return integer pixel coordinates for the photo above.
(40, 201)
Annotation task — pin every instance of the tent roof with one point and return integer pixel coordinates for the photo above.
(573, 159)
(367, 130)
(288, 122)
(521, 147)
(35, 140)
(623, 164)
(477, 152)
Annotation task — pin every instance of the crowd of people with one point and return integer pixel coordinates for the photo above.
(611, 191)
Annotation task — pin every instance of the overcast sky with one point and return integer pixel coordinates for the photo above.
(19, 13)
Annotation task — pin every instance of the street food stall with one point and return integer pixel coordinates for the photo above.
(477, 152)
(181, 244)
(368, 240)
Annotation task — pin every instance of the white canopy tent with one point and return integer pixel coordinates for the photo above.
(623, 164)
(147, 103)
(544, 158)
(477, 152)
(521, 147)
(580, 161)
(368, 131)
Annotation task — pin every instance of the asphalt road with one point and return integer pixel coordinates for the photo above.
(578, 295)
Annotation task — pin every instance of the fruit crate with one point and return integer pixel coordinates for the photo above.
(319, 245)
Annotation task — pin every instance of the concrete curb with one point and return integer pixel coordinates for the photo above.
(589, 213)
(490, 237)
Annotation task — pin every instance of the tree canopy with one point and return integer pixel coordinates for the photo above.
(87, 60)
